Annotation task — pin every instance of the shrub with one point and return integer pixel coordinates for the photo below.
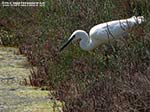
(114, 78)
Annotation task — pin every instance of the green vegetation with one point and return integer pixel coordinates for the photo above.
(103, 80)
(16, 97)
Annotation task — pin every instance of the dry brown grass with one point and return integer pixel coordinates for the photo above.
(108, 79)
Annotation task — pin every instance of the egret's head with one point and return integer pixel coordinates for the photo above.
(74, 37)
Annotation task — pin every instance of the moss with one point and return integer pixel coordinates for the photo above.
(34, 93)
(15, 97)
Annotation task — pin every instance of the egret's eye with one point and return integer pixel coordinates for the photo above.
(74, 37)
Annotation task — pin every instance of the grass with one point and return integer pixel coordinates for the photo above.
(104, 79)
(14, 95)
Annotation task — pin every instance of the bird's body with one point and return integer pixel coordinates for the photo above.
(103, 32)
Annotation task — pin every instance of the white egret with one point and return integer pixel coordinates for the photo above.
(102, 32)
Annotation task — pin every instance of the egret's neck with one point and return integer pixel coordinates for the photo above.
(86, 42)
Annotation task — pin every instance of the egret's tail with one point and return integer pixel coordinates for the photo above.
(140, 19)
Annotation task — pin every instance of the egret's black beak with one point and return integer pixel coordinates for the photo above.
(67, 43)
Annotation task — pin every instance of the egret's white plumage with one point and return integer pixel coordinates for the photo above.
(102, 32)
